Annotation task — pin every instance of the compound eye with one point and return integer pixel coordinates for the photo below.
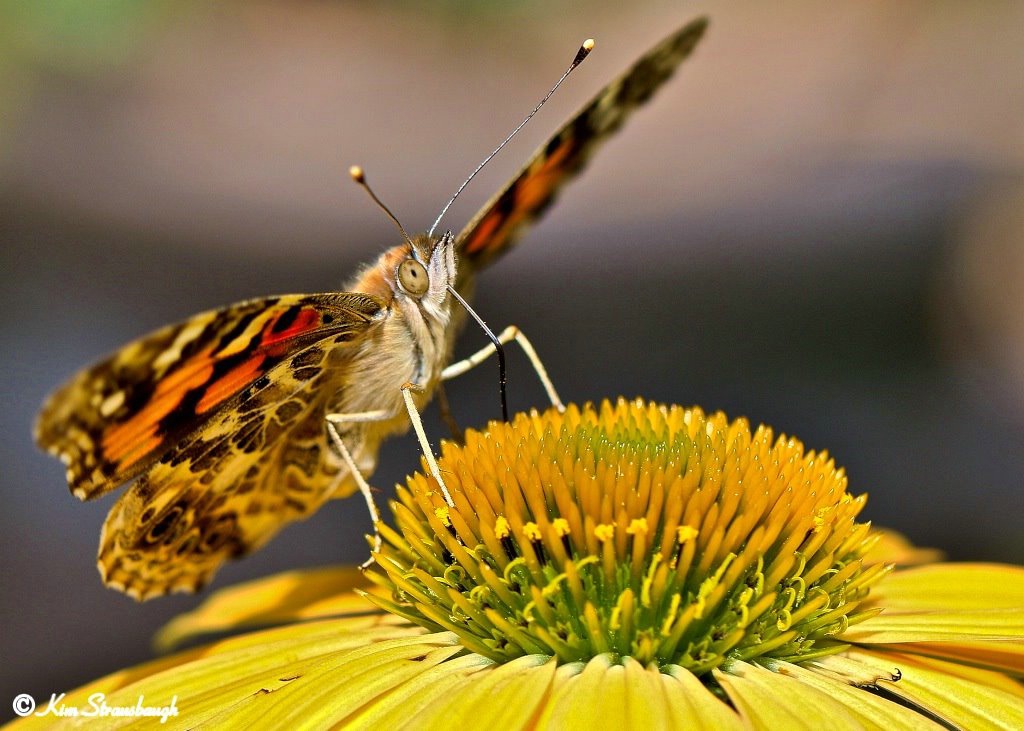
(413, 277)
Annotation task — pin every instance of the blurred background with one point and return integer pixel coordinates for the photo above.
(817, 224)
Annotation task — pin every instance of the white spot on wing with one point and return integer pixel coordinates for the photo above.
(111, 403)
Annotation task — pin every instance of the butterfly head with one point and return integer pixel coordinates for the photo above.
(414, 276)
(424, 268)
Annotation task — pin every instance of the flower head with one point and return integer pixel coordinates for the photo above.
(634, 530)
(629, 565)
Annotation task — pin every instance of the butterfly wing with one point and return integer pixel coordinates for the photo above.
(256, 465)
(499, 223)
(220, 419)
(112, 421)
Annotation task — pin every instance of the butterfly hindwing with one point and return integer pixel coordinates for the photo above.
(112, 421)
(252, 468)
(499, 223)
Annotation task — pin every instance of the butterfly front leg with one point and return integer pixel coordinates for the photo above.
(334, 421)
(507, 335)
(408, 389)
(361, 417)
(444, 411)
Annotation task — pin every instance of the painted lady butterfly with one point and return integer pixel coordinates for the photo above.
(219, 420)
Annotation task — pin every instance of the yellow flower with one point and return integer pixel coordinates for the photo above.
(626, 566)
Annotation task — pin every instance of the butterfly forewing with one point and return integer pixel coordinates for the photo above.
(505, 217)
(112, 421)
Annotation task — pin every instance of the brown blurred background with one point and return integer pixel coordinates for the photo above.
(818, 224)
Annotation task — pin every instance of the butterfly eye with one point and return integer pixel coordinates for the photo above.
(413, 277)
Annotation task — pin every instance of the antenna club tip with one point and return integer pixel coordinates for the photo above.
(585, 49)
(357, 174)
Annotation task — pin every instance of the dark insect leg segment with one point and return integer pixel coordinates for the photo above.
(498, 349)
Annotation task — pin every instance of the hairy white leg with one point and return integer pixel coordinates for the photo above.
(421, 435)
(361, 483)
(507, 335)
(357, 417)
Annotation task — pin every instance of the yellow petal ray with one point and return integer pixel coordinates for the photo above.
(285, 597)
(951, 586)
(973, 612)
(209, 687)
(338, 687)
(871, 710)
(769, 700)
(849, 669)
(208, 679)
(505, 696)
(600, 694)
(654, 698)
(692, 705)
(978, 625)
(1000, 656)
(893, 547)
(958, 700)
(991, 678)
(419, 697)
(587, 696)
(646, 703)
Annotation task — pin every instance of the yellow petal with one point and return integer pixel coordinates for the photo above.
(871, 709)
(845, 667)
(589, 696)
(988, 639)
(991, 678)
(893, 547)
(957, 700)
(951, 586)
(979, 625)
(970, 612)
(337, 687)
(693, 705)
(797, 699)
(286, 597)
(602, 695)
(505, 696)
(206, 680)
(1007, 657)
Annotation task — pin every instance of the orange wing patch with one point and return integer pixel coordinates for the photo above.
(112, 421)
(523, 200)
(231, 383)
(131, 440)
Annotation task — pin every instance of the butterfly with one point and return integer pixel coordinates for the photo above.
(219, 423)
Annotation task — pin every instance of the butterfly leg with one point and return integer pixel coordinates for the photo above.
(447, 417)
(507, 335)
(364, 487)
(417, 424)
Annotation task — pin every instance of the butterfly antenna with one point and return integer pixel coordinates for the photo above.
(585, 49)
(359, 176)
